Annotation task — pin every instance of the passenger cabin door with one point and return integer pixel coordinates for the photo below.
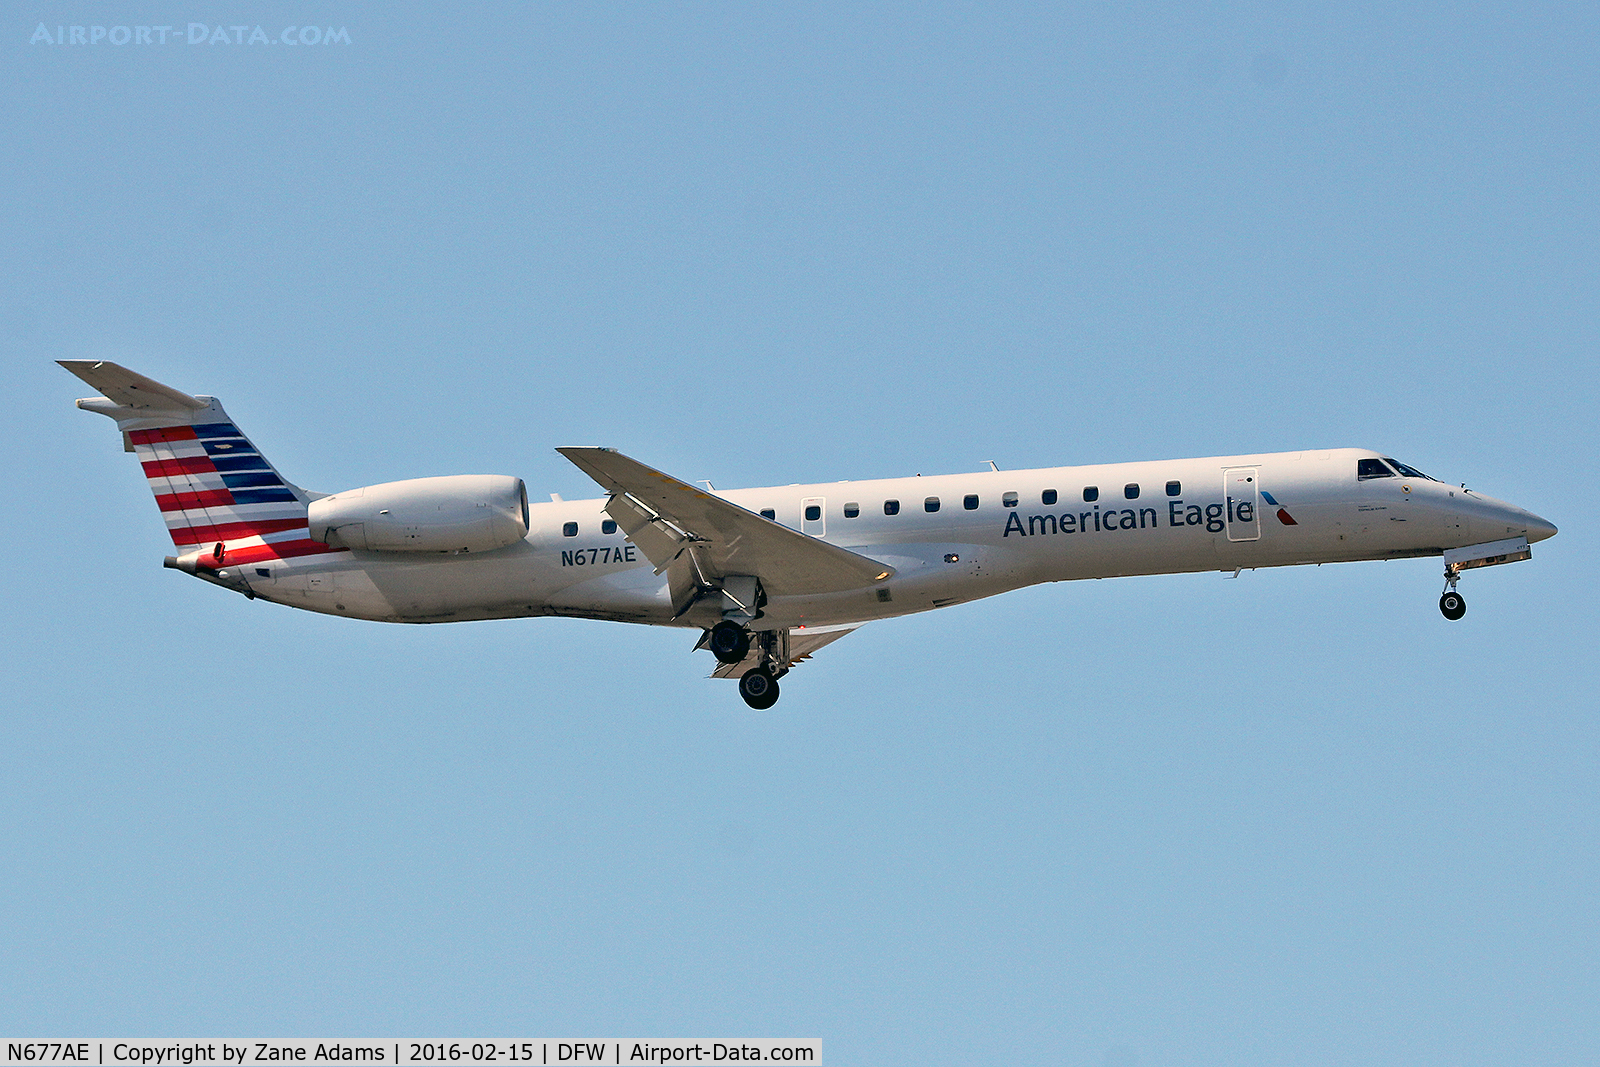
(1239, 485)
(813, 516)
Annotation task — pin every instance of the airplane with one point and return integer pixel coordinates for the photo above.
(769, 575)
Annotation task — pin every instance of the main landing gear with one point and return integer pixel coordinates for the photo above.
(731, 644)
(1452, 605)
(759, 688)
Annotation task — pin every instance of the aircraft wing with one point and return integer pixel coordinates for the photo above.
(803, 642)
(697, 538)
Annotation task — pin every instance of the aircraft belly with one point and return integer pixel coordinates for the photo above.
(833, 609)
(631, 594)
(927, 576)
(336, 587)
(407, 587)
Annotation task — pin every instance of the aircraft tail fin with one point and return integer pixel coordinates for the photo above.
(221, 499)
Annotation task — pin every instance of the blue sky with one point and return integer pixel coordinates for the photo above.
(1293, 818)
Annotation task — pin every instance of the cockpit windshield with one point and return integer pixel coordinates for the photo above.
(1386, 468)
(1407, 472)
(1372, 468)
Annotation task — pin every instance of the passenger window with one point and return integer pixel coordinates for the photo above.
(608, 527)
(891, 507)
(569, 530)
(970, 501)
(1372, 468)
(813, 512)
(1009, 500)
(931, 504)
(852, 509)
(1131, 490)
(769, 513)
(1048, 497)
(1091, 493)
(1174, 488)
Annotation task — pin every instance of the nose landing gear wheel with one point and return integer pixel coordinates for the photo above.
(759, 688)
(1453, 605)
(729, 642)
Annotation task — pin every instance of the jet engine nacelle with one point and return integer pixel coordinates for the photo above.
(461, 513)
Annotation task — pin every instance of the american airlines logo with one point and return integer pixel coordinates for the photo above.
(195, 33)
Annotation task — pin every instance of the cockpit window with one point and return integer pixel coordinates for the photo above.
(1372, 468)
(1405, 471)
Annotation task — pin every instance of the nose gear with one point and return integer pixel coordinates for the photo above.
(1452, 605)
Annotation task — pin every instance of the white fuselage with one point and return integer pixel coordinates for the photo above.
(1219, 513)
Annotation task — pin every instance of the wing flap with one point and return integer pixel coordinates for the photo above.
(803, 644)
(658, 539)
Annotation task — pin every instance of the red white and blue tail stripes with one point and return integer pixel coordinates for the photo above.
(213, 487)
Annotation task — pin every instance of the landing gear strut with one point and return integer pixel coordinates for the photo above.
(759, 685)
(1452, 605)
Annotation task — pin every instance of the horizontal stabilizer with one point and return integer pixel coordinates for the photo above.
(129, 389)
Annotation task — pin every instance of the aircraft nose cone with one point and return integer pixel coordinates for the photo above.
(1539, 529)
